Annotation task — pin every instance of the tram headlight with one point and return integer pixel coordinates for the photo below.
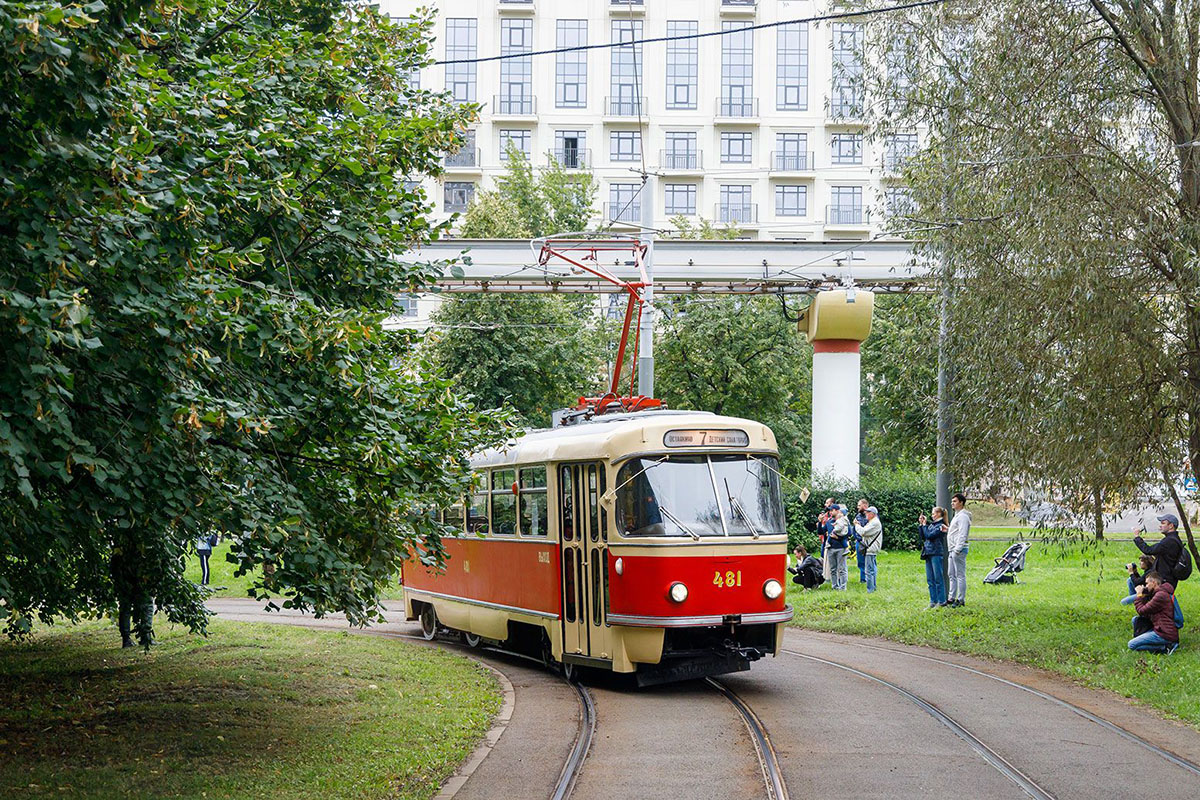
(772, 589)
(677, 592)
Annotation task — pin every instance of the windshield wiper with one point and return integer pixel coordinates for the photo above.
(678, 522)
(737, 506)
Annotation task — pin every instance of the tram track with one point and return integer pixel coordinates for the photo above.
(1129, 736)
(994, 759)
(772, 772)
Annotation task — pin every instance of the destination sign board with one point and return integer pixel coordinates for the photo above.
(706, 438)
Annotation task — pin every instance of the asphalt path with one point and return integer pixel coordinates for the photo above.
(848, 717)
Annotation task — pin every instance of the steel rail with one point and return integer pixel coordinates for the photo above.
(1027, 784)
(1177, 760)
(767, 758)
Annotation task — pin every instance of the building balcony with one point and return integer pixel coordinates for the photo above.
(623, 108)
(514, 107)
(736, 213)
(845, 112)
(853, 217)
(465, 160)
(624, 213)
(738, 7)
(793, 162)
(676, 161)
(745, 109)
(515, 6)
(571, 158)
(627, 7)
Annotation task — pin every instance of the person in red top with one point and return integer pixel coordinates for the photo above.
(1156, 602)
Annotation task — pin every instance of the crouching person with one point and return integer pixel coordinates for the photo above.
(1156, 603)
(807, 570)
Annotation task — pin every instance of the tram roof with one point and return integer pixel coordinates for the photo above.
(618, 435)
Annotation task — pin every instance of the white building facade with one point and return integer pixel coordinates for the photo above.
(759, 129)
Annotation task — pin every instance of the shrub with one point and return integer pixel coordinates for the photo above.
(899, 498)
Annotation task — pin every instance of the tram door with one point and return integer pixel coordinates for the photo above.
(583, 525)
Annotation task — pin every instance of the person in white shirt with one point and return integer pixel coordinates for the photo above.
(872, 543)
(835, 548)
(956, 541)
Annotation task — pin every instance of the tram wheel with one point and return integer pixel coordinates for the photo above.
(472, 640)
(429, 622)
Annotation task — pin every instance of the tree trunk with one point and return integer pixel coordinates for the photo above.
(1098, 518)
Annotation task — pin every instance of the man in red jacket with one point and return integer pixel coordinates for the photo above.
(1156, 602)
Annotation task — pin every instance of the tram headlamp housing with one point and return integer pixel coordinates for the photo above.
(678, 592)
(619, 566)
(772, 589)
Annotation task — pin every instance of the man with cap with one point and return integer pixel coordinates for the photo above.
(872, 543)
(835, 548)
(1167, 550)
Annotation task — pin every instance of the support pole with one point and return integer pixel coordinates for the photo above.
(646, 323)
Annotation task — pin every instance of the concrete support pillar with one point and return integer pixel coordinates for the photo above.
(836, 417)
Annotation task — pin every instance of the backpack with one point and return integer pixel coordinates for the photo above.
(1183, 568)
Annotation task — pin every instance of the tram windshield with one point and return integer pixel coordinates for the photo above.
(700, 495)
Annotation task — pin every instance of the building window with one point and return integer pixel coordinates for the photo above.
(407, 306)
(846, 98)
(737, 70)
(681, 151)
(465, 156)
(412, 79)
(736, 148)
(735, 205)
(570, 74)
(520, 139)
(791, 201)
(791, 152)
(791, 67)
(846, 148)
(461, 43)
(624, 205)
(680, 199)
(459, 195)
(898, 148)
(516, 74)
(625, 145)
(682, 64)
(845, 206)
(625, 97)
(898, 201)
(570, 149)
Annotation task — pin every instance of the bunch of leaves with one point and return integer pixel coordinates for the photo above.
(529, 203)
(201, 213)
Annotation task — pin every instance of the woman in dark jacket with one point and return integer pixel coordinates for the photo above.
(933, 553)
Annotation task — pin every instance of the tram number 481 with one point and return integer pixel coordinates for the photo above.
(727, 580)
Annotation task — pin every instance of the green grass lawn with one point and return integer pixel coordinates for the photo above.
(252, 711)
(1064, 616)
(221, 580)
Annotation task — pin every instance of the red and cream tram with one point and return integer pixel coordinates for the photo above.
(649, 543)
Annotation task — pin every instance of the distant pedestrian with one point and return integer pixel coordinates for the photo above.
(807, 569)
(957, 540)
(1156, 603)
(860, 520)
(835, 549)
(872, 542)
(824, 526)
(204, 548)
(933, 537)
(1167, 550)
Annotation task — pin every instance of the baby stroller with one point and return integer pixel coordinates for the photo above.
(1009, 564)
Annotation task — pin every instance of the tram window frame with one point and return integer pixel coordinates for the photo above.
(599, 567)
(569, 588)
(502, 481)
(457, 520)
(479, 524)
(593, 492)
(566, 493)
(532, 493)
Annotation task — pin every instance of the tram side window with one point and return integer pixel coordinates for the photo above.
(455, 516)
(533, 502)
(504, 502)
(566, 490)
(569, 584)
(477, 513)
(594, 501)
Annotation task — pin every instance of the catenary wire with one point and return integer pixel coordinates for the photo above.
(708, 34)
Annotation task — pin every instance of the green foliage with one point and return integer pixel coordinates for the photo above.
(530, 203)
(532, 353)
(737, 356)
(199, 221)
(899, 495)
(343, 716)
(684, 228)
(493, 216)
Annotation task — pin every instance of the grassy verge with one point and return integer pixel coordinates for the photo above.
(253, 711)
(1064, 616)
(224, 584)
